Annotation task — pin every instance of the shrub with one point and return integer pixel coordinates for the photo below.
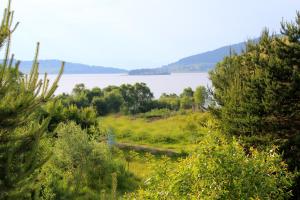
(157, 113)
(220, 170)
(85, 117)
(81, 168)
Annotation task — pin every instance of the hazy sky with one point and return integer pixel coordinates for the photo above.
(140, 33)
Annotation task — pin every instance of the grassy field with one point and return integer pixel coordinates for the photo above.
(177, 132)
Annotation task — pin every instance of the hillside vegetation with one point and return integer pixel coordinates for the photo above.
(237, 140)
(179, 132)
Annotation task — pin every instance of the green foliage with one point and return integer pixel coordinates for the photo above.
(200, 96)
(99, 104)
(130, 156)
(187, 100)
(79, 88)
(157, 114)
(259, 90)
(22, 152)
(113, 100)
(132, 99)
(81, 168)
(110, 102)
(137, 98)
(255, 92)
(187, 92)
(179, 131)
(170, 101)
(85, 117)
(219, 169)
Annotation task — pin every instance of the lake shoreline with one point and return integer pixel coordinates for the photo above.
(159, 84)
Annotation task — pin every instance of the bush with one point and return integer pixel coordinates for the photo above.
(85, 117)
(220, 170)
(157, 113)
(81, 168)
(164, 139)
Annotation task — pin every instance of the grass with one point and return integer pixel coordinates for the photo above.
(177, 132)
(142, 165)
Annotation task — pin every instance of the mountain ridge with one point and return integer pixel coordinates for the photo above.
(52, 66)
(202, 62)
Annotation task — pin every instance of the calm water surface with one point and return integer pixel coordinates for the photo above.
(158, 84)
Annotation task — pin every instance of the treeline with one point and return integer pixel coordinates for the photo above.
(133, 99)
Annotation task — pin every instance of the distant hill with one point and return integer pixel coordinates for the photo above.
(202, 62)
(53, 66)
(197, 63)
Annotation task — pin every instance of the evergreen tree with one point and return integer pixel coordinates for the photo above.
(21, 149)
(259, 90)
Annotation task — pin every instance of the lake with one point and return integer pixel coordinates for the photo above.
(173, 83)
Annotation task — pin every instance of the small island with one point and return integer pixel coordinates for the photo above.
(155, 71)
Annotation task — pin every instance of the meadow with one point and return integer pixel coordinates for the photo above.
(178, 132)
(162, 131)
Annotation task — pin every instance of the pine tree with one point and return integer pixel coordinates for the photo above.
(20, 133)
(259, 90)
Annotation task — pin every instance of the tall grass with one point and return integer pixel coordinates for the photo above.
(177, 132)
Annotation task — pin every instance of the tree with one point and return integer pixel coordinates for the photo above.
(137, 98)
(21, 152)
(186, 102)
(79, 96)
(79, 88)
(110, 88)
(259, 90)
(170, 101)
(187, 92)
(95, 92)
(144, 97)
(127, 92)
(200, 96)
(100, 105)
(114, 101)
(186, 99)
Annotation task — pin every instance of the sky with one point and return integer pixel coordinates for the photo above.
(139, 33)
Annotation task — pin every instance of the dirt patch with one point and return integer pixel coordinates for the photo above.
(154, 151)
